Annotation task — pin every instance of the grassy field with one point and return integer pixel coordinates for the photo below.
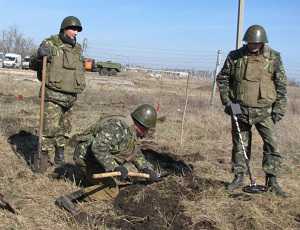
(198, 202)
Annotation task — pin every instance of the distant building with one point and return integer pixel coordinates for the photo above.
(158, 73)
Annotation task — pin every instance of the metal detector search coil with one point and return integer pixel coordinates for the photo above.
(255, 188)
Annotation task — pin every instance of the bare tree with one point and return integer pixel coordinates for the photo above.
(13, 41)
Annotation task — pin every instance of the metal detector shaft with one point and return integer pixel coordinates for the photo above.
(38, 167)
(252, 179)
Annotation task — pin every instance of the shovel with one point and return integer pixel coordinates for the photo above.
(253, 187)
(114, 174)
(7, 205)
(40, 160)
(99, 192)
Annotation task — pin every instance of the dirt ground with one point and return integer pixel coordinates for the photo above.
(197, 201)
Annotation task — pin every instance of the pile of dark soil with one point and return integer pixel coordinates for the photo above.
(24, 144)
(149, 208)
(158, 206)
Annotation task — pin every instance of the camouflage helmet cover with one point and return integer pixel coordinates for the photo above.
(71, 21)
(255, 34)
(145, 115)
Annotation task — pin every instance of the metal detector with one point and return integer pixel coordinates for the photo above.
(253, 187)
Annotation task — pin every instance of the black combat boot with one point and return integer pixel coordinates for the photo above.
(273, 186)
(59, 158)
(237, 182)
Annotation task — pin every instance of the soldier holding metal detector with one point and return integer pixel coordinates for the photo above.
(253, 88)
(63, 79)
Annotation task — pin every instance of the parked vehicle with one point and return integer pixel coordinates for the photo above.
(108, 68)
(1, 59)
(25, 62)
(12, 60)
(90, 65)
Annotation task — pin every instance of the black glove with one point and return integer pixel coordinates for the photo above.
(123, 171)
(153, 175)
(43, 51)
(276, 117)
(227, 109)
(232, 108)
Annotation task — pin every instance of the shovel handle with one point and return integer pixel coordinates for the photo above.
(114, 174)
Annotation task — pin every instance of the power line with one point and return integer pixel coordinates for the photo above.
(156, 50)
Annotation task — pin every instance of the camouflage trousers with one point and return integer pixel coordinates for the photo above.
(271, 156)
(57, 127)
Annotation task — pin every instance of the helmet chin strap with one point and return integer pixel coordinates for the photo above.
(66, 39)
(256, 50)
(141, 131)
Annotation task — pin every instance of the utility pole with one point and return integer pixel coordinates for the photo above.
(240, 23)
(217, 69)
(84, 46)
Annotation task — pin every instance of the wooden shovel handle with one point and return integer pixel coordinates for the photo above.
(114, 174)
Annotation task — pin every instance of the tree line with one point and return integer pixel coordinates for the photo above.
(13, 41)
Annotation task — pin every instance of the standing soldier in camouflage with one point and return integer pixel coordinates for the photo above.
(254, 77)
(64, 80)
(111, 144)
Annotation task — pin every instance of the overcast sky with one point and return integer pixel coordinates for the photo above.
(168, 33)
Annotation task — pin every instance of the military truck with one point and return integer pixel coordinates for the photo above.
(108, 68)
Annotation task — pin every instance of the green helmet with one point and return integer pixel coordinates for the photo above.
(145, 115)
(71, 21)
(255, 34)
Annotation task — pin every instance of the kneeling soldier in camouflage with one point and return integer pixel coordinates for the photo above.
(111, 145)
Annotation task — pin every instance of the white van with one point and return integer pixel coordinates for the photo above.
(25, 62)
(12, 60)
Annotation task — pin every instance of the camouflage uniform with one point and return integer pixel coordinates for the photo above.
(108, 143)
(258, 84)
(64, 80)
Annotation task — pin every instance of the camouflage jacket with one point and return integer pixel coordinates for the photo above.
(234, 73)
(112, 142)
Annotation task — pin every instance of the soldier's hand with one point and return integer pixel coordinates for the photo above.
(276, 117)
(153, 175)
(233, 109)
(227, 109)
(123, 171)
(44, 51)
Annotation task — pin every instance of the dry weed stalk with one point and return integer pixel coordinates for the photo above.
(184, 110)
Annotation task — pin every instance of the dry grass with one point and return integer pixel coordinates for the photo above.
(207, 141)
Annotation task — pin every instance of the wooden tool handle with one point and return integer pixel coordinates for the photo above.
(39, 163)
(114, 174)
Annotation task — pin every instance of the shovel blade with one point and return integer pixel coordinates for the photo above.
(40, 163)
